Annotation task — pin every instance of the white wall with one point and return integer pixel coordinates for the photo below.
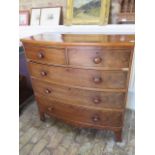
(25, 31)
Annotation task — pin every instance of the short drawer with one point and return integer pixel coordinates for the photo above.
(80, 114)
(98, 57)
(89, 98)
(46, 55)
(79, 77)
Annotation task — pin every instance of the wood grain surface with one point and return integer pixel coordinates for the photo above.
(81, 79)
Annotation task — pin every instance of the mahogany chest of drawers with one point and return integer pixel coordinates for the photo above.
(81, 79)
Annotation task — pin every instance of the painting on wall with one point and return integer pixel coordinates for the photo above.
(87, 12)
(87, 9)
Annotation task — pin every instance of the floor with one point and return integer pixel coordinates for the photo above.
(56, 138)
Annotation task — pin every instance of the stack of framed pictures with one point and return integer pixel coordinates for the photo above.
(46, 16)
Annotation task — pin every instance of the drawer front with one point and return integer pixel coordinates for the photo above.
(46, 55)
(114, 58)
(80, 114)
(79, 77)
(97, 99)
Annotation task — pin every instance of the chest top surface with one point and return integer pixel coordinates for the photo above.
(81, 39)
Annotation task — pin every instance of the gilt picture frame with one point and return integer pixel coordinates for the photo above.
(85, 12)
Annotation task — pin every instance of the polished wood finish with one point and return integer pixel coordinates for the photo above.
(84, 78)
(46, 55)
(127, 12)
(79, 114)
(99, 57)
(126, 18)
(81, 79)
(75, 96)
(90, 40)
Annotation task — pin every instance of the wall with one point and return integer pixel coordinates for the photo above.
(28, 4)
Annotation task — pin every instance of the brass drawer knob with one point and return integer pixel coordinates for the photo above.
(96, 118)
(47, 91)
(40, 55)
(97, 79)
(97, 60)
(43, 73)
(50, 108)
(97, 100)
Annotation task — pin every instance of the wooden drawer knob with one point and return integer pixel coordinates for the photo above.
(43, 73)
(96, 100)
(50, 108)
(97, 79)
(47, 91)
(40, 55)
(96, 118)
(97, 60)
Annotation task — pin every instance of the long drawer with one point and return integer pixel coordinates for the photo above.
(80, 77)
(94, 99)
(99, 57)
(80, 114)
(46, 55)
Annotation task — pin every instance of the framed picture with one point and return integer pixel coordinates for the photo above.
(87, 12)
(24, 18)
(50, 16)
(35, 16)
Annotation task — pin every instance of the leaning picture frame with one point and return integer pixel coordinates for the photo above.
(24, 17)
(84, 12)
(50, 16)
(35, 16)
